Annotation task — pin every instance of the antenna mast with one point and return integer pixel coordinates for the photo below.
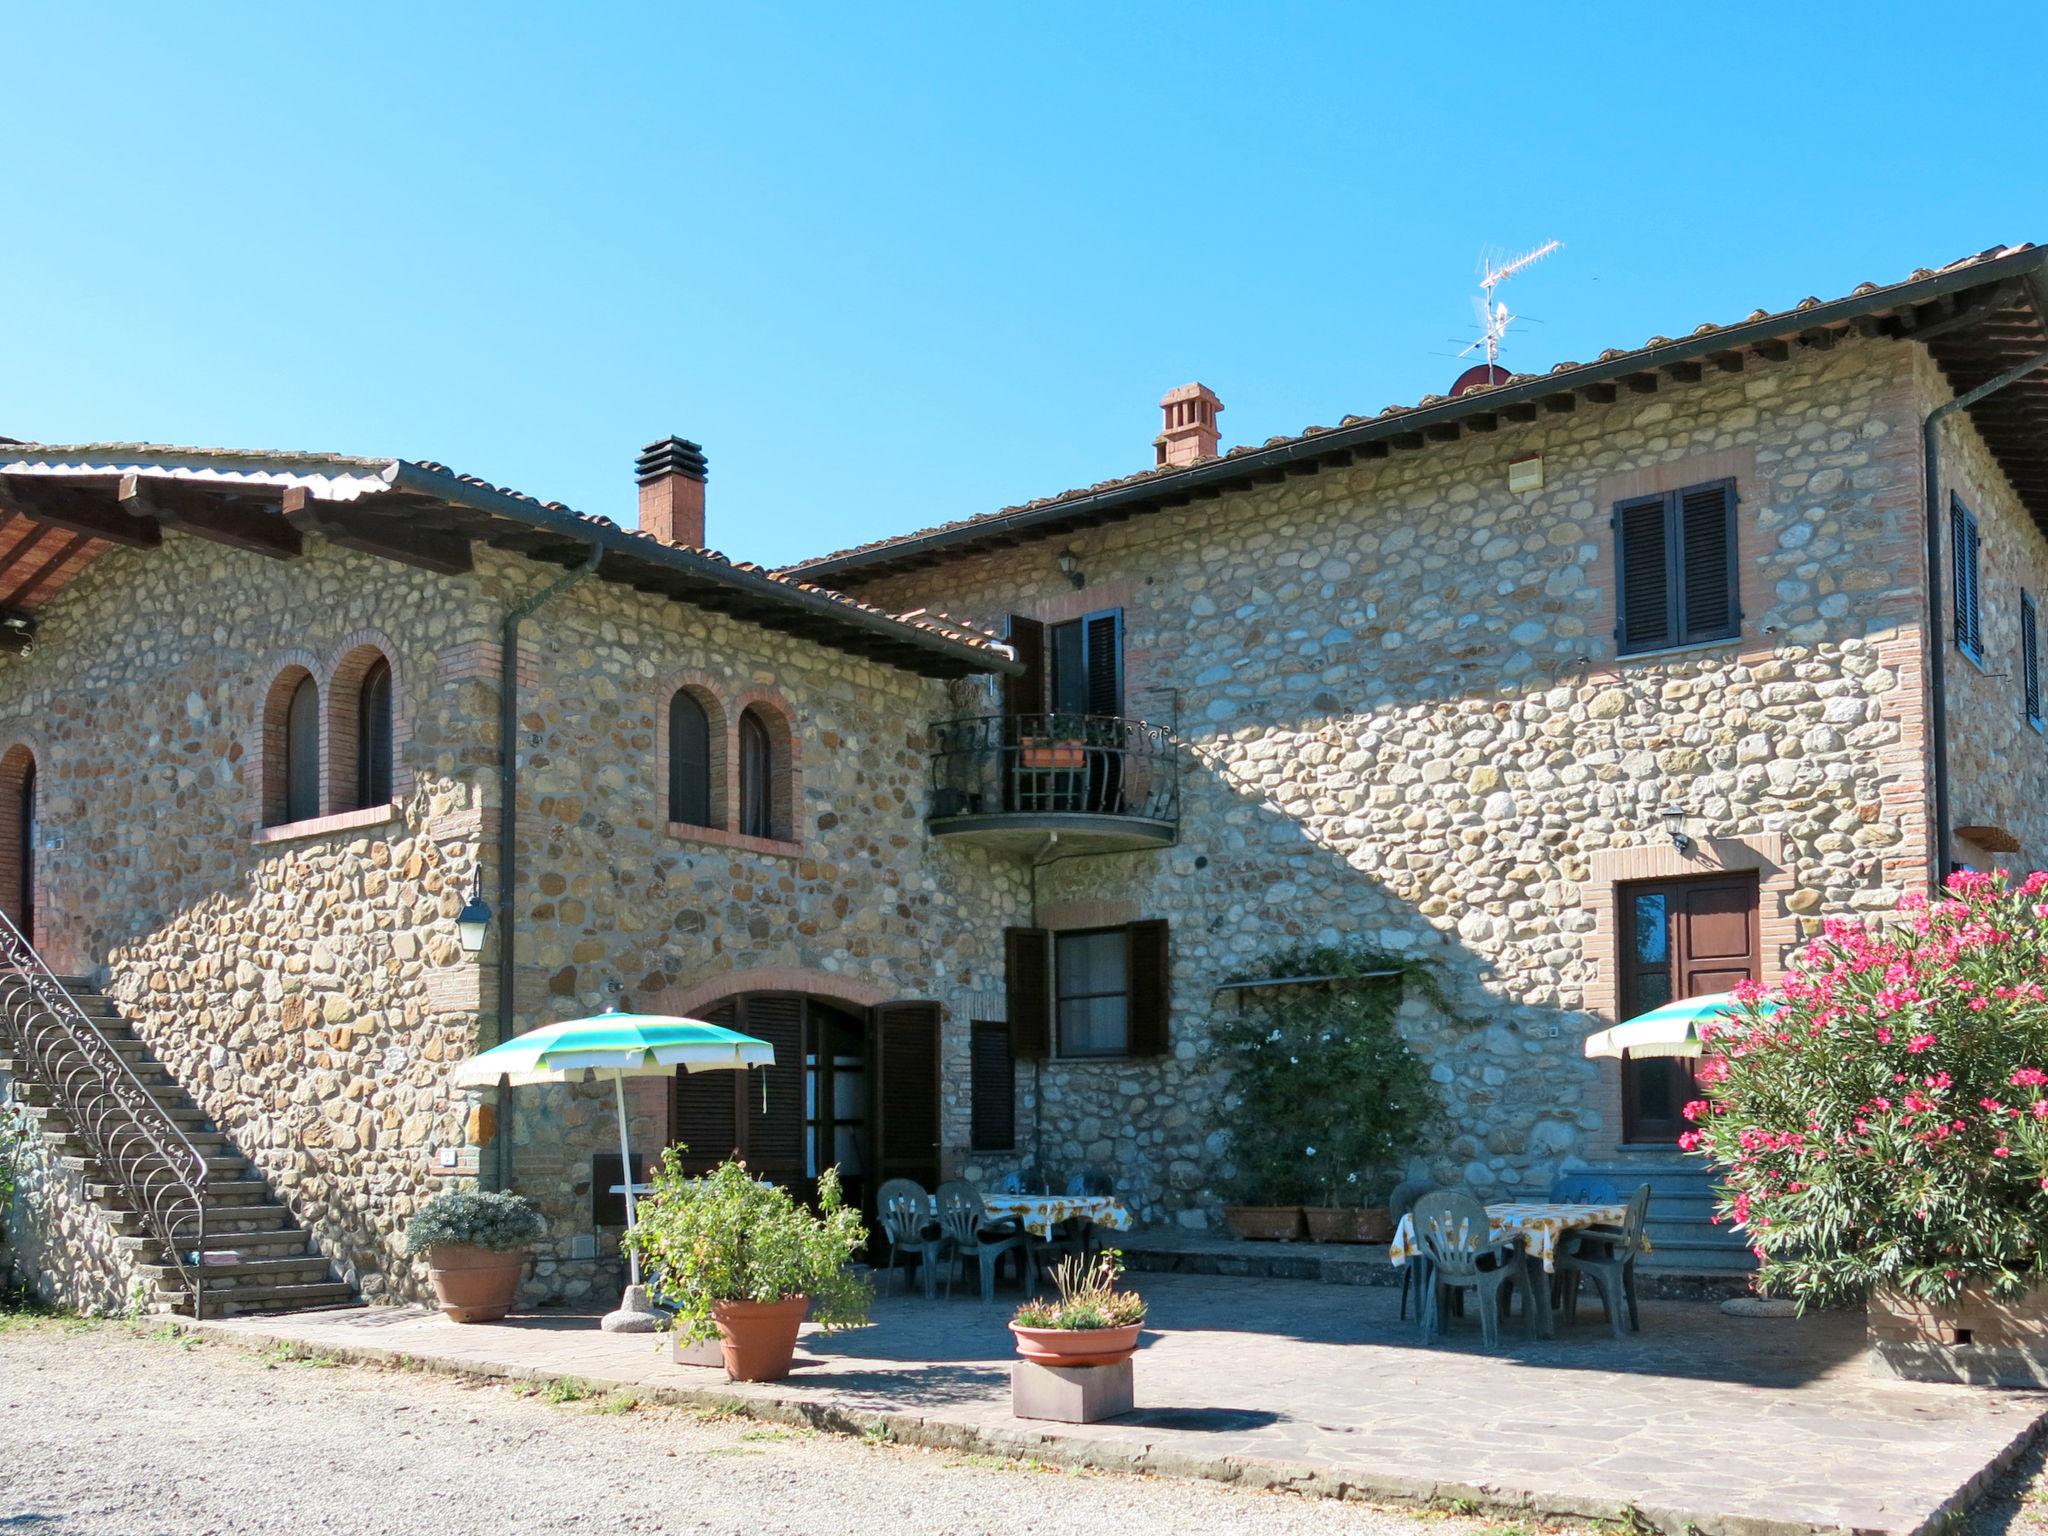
(1494, 318)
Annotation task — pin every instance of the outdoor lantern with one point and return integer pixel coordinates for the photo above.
(1674, 823)
(1070, 567)
(474, 920)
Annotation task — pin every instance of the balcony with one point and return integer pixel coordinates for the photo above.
(1100, 783)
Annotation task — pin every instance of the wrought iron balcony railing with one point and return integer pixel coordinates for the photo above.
(134, 1142)
(1101, 775)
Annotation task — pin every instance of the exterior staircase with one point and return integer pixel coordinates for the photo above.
(255, 1257)
(1680, 1225)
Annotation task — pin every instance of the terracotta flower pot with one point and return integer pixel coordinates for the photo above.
(1265, 1223)
(1350, 1224)
(475, 1285)
(758, 1337)
(1077, 1346)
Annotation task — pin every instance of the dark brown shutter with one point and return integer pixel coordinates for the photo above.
(1027, 958)
(707, 1105)
(907, 1091)
(1106, 663)
(2030, 657)
(1643, 574)
(1706, 535)
(773, 1103)
(373, 736)
(1151, 984)
(1025, 693)
(689, 762)
(992, 1088)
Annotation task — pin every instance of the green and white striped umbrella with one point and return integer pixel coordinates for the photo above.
(1670, 1030)
(622, 1045)
(629, 1044)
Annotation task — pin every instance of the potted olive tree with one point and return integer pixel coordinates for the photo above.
(476, 1245)
(741, 1261)
(1879, 1122)
(1332, 1099)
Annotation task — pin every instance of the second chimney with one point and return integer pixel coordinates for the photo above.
(672, 492)
(1190, 429)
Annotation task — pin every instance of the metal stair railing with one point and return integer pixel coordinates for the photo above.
(140, 1149)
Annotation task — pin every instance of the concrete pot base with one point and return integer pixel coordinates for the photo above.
(1071, 1394)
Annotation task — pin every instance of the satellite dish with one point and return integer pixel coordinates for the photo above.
(1480, 376)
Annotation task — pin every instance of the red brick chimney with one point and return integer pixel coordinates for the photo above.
(672, 492)
(1190, 429)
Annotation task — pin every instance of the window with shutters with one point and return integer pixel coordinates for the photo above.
(291, 748)
(1085, 665)
(1965, 555)
(2030, 660)
(373, 735)
(1091, 973)
(1107, 994)
(764, 750)
(992, 1087)
(1676, 577)
(691, 801)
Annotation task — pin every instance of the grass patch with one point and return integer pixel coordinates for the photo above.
(778, 1432)
(734, 1450)
(561, 1389)
(282, 1354)
(618, 1402)
(877, 1433)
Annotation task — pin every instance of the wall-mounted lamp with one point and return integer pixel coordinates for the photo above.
(1674, 823)
(474, 920)
(1070, 567)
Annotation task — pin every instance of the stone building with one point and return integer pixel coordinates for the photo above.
(1591, 686)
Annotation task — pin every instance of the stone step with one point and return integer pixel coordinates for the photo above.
(220, 1171)
(277, 1242)
(156, 1082)
(256, 1273)
(225, 1195)
(190, 1116)
(279, 1298)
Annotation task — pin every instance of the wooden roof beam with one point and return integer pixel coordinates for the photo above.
(425, 549)
(54, 505)
(175, 504)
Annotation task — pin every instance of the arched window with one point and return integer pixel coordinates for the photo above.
(757, 776)
(373, 736)
(689, 761)
(302, 752)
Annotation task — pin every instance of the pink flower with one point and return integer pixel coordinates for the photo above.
(2029, 1077)
(1689, 1141)
(1920, 1043)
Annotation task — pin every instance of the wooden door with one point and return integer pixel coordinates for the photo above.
(757, 1113)
(1679, 939)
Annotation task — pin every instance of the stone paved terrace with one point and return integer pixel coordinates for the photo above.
(1732, 1425)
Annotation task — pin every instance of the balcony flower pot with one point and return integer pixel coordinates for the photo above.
(758, 1338)
(740, 1261)
(1038, 752)
(476, 1245)
(1350, 1223)
(1264, 1223)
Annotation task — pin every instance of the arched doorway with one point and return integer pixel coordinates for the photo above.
(18, 838)
(853, 1087)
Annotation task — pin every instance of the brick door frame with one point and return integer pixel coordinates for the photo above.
(1778, 934)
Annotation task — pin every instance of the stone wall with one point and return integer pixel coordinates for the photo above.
(59, 1242)
(1998, 761)
(1406, 726)
(302, 982)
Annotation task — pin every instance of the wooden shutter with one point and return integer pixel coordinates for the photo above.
(373, 736)
(1151, 982)
(1105, 648)
(772, 1119)
(2030, 657)
(992, 1088)
(907, 1091)
(689, 762)
(302, 752)
(706, 1108)
(1965, 550)
(1645, 578)
(1706, 538)
(1027, 957)
(1024, 694)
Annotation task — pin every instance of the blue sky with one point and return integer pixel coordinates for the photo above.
(895, 265)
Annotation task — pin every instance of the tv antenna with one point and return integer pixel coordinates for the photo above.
(1494, 316)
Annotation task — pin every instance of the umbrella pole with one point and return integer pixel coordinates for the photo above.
(626, 1173)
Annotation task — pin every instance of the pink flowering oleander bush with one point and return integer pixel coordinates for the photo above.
(1887, 1124)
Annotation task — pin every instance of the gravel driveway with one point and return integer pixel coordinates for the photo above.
(131, 1430)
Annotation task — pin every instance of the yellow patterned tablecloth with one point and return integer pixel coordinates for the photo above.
(1041, 1213)
(1536, 1224)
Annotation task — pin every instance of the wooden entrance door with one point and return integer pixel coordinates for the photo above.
(1679, 939)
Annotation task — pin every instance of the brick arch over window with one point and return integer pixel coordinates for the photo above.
(688, 999)
(20, 767)
(288, 766)
(366, 730)
(684, 789)
(767, 781)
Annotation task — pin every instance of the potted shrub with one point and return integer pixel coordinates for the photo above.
(741, 1261)
(1331, 1098)
(1879, 1122)
(1092, 1320)
(476, 1244)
